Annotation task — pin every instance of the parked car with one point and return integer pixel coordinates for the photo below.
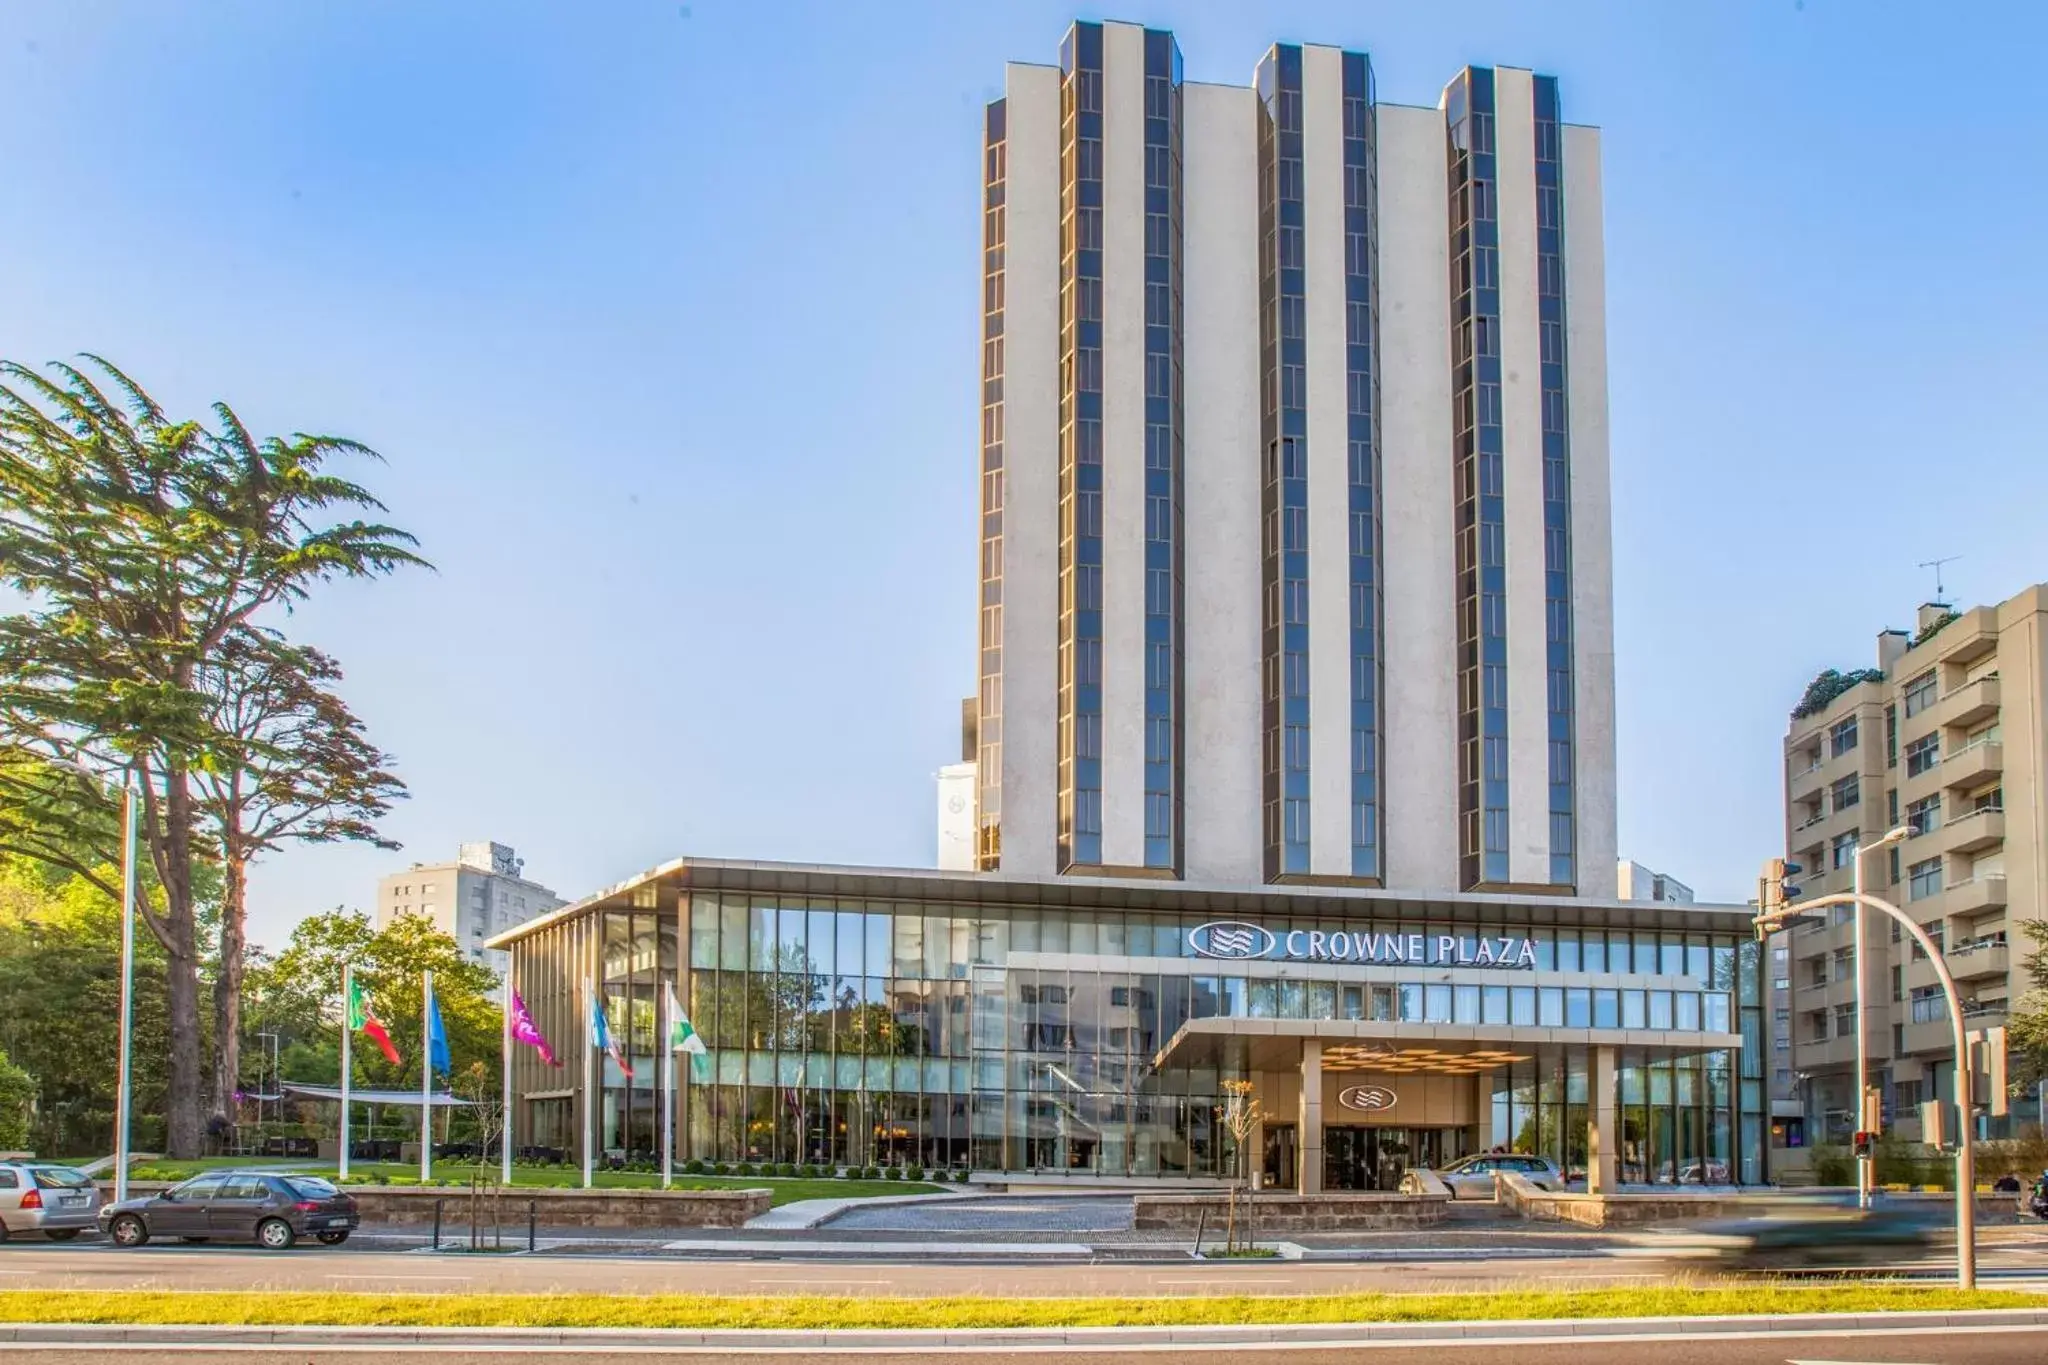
(1814, 1230)
(1471, 1177)
(56, 1201)
(271, 1209)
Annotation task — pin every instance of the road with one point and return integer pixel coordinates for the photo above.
(34, 1265)
(1956, 1346)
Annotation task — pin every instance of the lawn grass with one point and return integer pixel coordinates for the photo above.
(158, 1308)
(782, 1191)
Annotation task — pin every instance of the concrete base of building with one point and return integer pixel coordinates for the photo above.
(1269, 1213)
(414, 1205)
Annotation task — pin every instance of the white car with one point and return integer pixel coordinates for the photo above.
(1471, 1177)
(39, 1196)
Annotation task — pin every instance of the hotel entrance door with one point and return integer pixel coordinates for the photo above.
(1362, 1158)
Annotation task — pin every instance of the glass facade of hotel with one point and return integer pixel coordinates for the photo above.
(959, 1032)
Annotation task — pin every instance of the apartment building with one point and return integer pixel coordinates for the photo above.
(1935, 738)
(481, 893)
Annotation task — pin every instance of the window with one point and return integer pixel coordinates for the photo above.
(1905, 1095)
(1891, 736)
(1817, 972)
(1923, 879)
(1845, 793)
(1842, 737)
(1922, 754)
(1845, 959)
(1843, 850)
(9, 1181)
(1845, 1021)
(1924, 815)
(1898, 984)
(1920, 693)
(1927, 1006)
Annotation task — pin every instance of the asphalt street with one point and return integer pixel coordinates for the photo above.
(1949, 1346)
(30, 1265)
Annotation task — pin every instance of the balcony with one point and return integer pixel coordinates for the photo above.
(1970, 636)
(1975, 896)
(1973, 962)
(1935, 1036)
(1975, 829)
(1972, 765)
(1968, 704)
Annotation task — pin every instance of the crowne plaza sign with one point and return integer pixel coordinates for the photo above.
(1241, 941)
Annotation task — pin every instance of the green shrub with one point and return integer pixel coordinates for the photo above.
(914, 1173)
(850, 1173)
(1833, 1166)
(893, 1173)
(693, 1167)
(724, 1169)
(960, 1177)
(787, 1168)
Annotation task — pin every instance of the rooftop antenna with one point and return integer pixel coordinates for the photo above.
(1935, 564)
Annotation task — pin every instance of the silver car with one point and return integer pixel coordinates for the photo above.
(56, 1201)
(1471, 1177)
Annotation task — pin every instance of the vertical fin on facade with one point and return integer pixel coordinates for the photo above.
(988, 754)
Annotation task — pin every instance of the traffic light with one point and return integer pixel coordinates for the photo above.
(1772, 888)
(1866, 1144)
(1934, 1124)
(1987, 1064)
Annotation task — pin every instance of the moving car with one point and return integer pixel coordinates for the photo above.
(1471, 1177)
(271, 1209)
(56, 1201)
(1815, 1230)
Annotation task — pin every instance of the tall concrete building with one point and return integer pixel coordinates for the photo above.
(482, 893)
(1294, 516)
(1933, 738)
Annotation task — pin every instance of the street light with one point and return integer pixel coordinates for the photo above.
(123, 1096)
(1866, 1121)
(1771, 915)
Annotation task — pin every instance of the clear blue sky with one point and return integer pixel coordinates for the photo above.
(665, 317)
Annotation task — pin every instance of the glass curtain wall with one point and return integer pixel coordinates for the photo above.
(874, 1033)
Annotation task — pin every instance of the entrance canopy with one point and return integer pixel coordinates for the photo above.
(1407, 1048)
(402, 1098)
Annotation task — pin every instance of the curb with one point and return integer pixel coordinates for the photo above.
(80, 1336)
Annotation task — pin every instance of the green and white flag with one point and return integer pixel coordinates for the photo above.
(681, 1036)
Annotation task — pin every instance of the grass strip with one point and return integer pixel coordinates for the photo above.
(285, 1308)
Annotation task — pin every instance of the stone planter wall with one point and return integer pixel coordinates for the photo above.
(1280, 1212)
(413, 1206)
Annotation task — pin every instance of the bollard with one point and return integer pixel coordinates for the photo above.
(437, 1225)
(1201, 1223)
(530, 1219)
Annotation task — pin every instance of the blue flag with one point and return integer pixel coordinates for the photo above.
(437, 1037)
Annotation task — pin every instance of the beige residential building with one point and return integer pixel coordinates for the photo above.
(1945, 736)
(480, 894)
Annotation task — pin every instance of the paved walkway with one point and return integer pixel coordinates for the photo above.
(1061, 1215)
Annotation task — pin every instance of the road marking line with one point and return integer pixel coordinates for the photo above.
(401, 1275)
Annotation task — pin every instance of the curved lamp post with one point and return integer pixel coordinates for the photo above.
(1772, 919)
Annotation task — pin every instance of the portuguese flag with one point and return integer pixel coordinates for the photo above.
(364, 1021)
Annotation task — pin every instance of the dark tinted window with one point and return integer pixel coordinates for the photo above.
(9, 1181)
(60, 1178)
(244, 1187)
(198, 1187)
(310, 1187)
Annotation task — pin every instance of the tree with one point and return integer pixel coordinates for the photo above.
(2026, 1029)
(17, 1102)
(60, 991)
(295, 766)
(145, 548)
(298, 994)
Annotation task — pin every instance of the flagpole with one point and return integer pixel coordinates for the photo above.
(347, 994)
(589, 1082)
(668, 1107)
(505, 1088)
(426, 1077)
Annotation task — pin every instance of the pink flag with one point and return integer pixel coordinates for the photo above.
(524, 1030)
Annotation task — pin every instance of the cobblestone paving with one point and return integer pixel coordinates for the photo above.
(1064, 1215)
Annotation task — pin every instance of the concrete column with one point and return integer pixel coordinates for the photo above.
(1602, 1142)
(1308, 1132)
(1482, 1105)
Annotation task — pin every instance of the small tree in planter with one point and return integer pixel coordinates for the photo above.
(1242, 1114)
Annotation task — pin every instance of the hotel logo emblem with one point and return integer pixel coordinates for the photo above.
(1370, 1099)
(1231, 939)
